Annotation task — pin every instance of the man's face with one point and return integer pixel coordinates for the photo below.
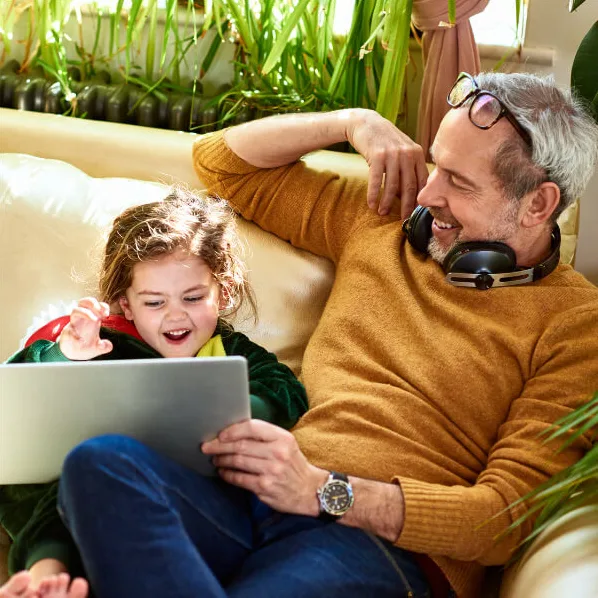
(462, 194)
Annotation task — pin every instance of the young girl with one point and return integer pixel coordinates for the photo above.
(172, 269)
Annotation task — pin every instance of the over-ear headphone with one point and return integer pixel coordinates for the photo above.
(480, 264)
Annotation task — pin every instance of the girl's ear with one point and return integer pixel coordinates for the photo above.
(124, 305)
(224, 300)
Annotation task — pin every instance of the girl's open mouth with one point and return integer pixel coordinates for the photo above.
(177, 336)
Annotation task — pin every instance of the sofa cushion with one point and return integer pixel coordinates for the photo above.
(53, 220)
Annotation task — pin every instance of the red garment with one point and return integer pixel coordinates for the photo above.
(52, 330)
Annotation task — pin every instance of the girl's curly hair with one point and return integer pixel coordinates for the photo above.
(201, 225)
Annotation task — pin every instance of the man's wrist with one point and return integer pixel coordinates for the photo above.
(350, 119)
(379, 508)
(318, 479)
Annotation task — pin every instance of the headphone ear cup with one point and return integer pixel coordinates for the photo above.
(418, 228)
(476, 257)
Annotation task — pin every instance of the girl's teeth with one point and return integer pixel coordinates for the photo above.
(176, 334)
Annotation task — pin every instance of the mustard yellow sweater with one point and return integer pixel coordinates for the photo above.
(410, 380)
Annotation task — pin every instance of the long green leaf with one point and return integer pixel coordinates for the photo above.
(115, 25)
(392, 85)
(170, 22)
(283, 38)
(326, 32)
(575, 4)
(210, 54)
(240, 22)
(452, 12)
(136, 6)
(150, 44)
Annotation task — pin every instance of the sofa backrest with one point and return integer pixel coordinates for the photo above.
(52, 226)
(52, 213)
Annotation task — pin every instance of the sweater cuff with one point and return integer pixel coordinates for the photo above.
(455, 521)
(50, 549)
(424, 510)
(53, 353)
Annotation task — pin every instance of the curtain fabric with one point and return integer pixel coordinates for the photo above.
(446, 52)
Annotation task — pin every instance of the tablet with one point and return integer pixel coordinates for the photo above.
(172, 405)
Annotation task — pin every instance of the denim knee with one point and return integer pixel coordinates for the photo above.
(97, 452)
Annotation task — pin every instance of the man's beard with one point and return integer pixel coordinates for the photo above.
(438, 253)
(505, 228)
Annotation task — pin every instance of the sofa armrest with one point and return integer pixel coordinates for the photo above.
(562, 561)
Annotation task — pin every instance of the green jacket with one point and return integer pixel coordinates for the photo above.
(28, 511)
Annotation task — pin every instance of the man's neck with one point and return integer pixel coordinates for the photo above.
(534, 249)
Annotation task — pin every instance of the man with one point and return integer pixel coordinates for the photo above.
(426, 398)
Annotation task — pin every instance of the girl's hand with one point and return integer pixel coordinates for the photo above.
(80, 339)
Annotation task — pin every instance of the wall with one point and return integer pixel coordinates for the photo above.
(550, 24)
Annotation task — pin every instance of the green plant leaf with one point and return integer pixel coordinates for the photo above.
(169, 23)
(392, 84)
(283, 38)
(452, 11)
(567, 490)
(150, 44)
(584, 72)
(575, 4)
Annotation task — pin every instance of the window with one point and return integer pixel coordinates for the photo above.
(497, 26)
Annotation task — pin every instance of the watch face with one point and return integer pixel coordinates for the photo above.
(337, 497)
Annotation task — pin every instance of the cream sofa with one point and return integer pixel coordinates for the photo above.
(63, 180)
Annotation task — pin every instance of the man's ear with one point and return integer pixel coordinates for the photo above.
(539, 205)
(124, 305)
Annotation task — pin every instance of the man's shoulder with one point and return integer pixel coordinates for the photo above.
(566, 279)
(571, 304)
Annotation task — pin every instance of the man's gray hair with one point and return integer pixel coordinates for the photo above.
(564, 137)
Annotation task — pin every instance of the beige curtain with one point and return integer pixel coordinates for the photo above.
(446, 52)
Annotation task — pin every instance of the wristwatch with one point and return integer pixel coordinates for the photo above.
(335, 496)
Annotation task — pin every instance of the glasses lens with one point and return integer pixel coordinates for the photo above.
(485, 110)
(461, 89)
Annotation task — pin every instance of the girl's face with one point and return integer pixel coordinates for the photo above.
(174, 303)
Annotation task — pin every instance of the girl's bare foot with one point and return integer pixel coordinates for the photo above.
(18, 586)
(59, 586)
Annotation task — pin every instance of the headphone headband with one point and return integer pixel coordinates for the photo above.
(480, 264)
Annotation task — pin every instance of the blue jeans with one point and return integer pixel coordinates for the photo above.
(149, 527)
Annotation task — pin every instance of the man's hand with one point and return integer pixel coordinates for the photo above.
(266, 460)
(394, 159)
(80, 339)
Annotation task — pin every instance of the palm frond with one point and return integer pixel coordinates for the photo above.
(571, 488)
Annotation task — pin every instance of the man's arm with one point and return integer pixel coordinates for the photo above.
(392, 156)
(317, 210)
(411, 512)
(267, 461)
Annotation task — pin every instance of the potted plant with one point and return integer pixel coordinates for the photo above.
(288, 57)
